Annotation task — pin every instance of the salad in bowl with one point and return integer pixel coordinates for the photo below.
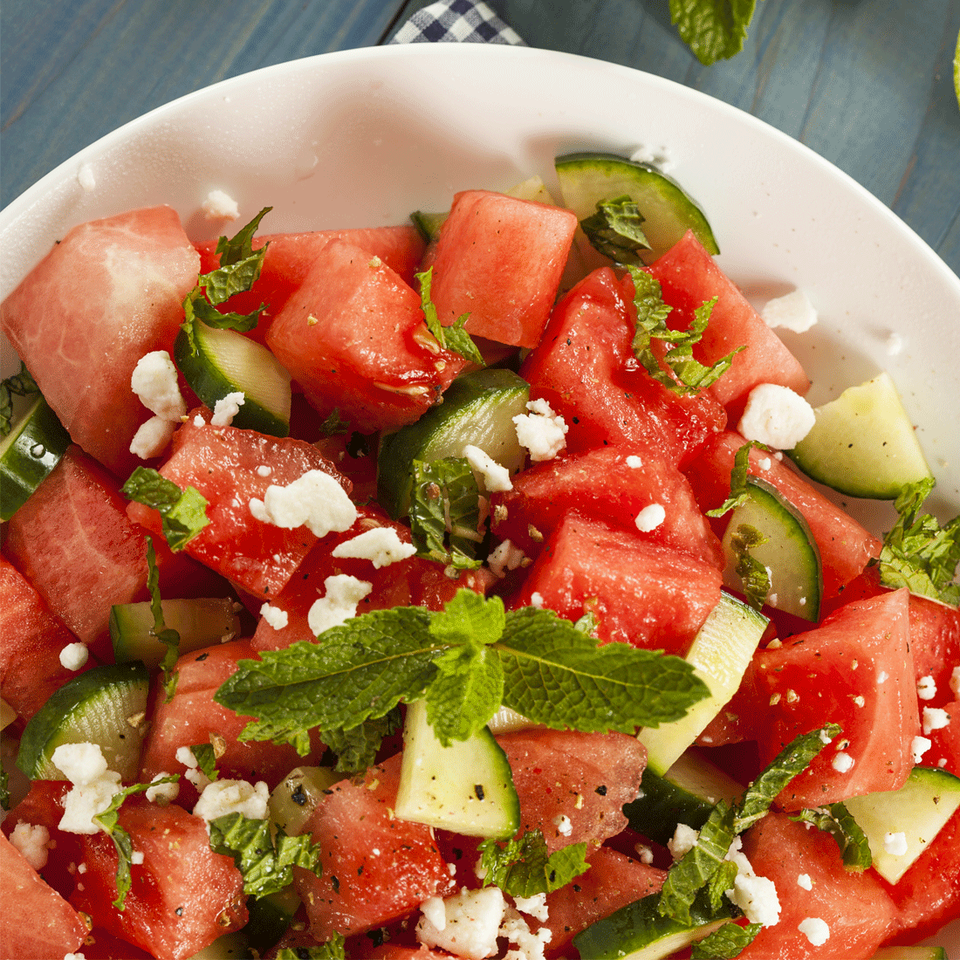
(472, 531)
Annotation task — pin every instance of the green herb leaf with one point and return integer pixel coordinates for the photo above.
(183, 513)
(466, 692)
(739, 490)
(713, 29)
(332, 949)
(109, 820)
(684, 374)
(920, 554)
(725, 942)
(615, 231)
(837, 820)
(453, 337)
(521, 867)
(333, 425)
(752, 573)
(266, 861)
(20, 385)
(445, 512)
(356, 748)
(166, 635)
(206, 757)
(239, 248)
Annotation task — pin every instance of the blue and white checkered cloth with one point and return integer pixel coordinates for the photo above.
(460, 21)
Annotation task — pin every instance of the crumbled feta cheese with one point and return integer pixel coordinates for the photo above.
(635, 462)
(564, 825)
(644, 852)
(153, 436)
(934, 719)
(32, 840)
(94, 786)
(434, 912)
(80, 762)
(843, 762)
(505, 556)
(883, 676)
(223, 797)
(264, 470)
(338, 604)
(803, 880)
(536, 600)
(86, 178)
(274, 616)
(496, 477)
(471, 923)
(756, 896)
(198, 420)
(315, 500)
(226, 408)
(163, 793)
(649, 518)
(776, 416)
(136, 857)
(74, 956)
(154, 381)
(541, 431)
(919, 746)
(895, 843)
(660, 157)
(926, 688)
(194, 774)
(815, 930)
(74, 656)
(683, 840)
(793, 311)
(382, 546)
(516, 930)
(535, 906)
(220, 206)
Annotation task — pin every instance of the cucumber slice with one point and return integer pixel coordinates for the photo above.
(588, 178)
(229, 946)
(28, 453)
(910, 953)
(719, 653)
(428, 224)
(270, 918)
(297, 795)
(918, 810)
(686, 793)
(478, 408)
(105, 705)
(790, 553)
(638, 932)
(200, 623)
(466, 788)
(863, 443)
(227, 362)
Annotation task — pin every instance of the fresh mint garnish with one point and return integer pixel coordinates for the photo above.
(739, 490)
(553, 674)
(726, 942)
(684, 374)
(183, 513)
(332, 949)
(20, 384)
(445, 512)
(615, 230)
(206, 756)
(263, 853)
(918, 553)
(753, 575)
(356, 748)
(836, 820)
(522, 867)
(454, 337)
(713, 29)
(166, 635)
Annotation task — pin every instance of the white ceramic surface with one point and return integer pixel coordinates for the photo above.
(363, 137)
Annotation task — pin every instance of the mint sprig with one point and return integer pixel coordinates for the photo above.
(726, 942)
(453, 337)
(522, 867)
(753, 575)
(739, 489)
(713, 29)
(837, 820)
(183, 513)
(445, 512)
(169, 637)
(615, 230)
(553, 674)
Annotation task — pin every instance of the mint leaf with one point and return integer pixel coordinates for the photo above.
(183, 513)
(837, 820)
(20, 384)
(239, 248)
(725, 942)
(713, 29)
(739, 490)
(265, 860)
(684, 374)
(469, 617)
(521, 867)
(109, 820)
(332, 949)
(445, 512)
(753, 575)
(166, 635)
(615, 231)
(466, 692)
(918, 553)
(453, 337)
(206, 756)
(356, 748)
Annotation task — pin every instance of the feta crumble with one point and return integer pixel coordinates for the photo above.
(541, 431)
(843, 762)
(934, 719)
(226, 408)
(793, 311)
(274, 616)
(154, 381)
(683, 840)
(382, 546)
(926, 688)
(220, 206)
(74, 656)
(163, 793)
(338, 604)
(193, 773)
(223, 797)
(535, 906)
(495, 476)
(94, 786)
(803, 880)
(776, 416)
(33, 842)
(505, 556)
(895, 843)
(650, 517)
(563, 824)
(86, 178)
(470, 923)
(815, 930)
(153, 436)
(315, 500)
(919, 746)
(756, 896)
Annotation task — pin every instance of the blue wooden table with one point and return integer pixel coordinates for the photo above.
(865, 83)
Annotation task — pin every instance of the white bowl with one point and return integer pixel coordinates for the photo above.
(363, 137)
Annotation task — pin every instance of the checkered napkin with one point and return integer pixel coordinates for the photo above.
(463, 21)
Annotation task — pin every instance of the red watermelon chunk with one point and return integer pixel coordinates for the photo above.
(500, 260)
(640, 592)
(289, 257)
(109, 292)
(183, 896)
(572, 786)
(353, 336)
(611, 484)
(585, 368)
(856, 908)
(36, 923)
(856, 670)
(230, 467)
(376, 867)
(688, 277)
